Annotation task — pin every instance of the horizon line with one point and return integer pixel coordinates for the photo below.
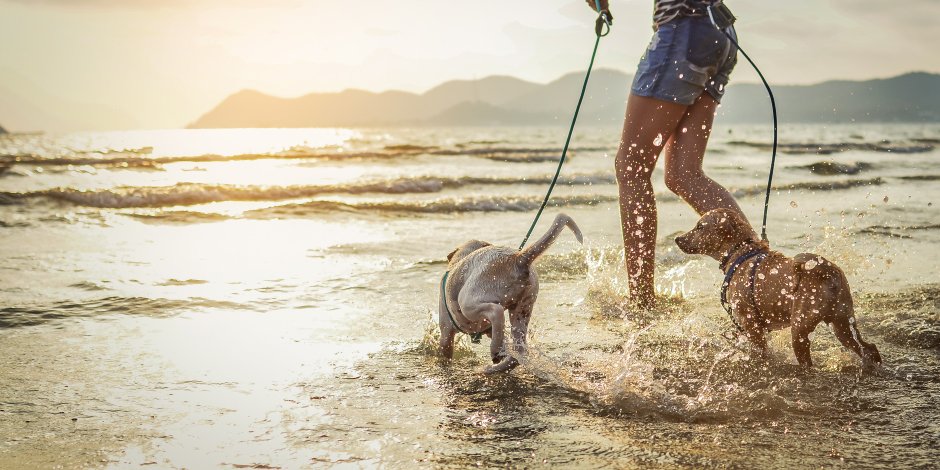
(600, 69)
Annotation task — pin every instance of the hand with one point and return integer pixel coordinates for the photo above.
(605, 8)
(593, 4)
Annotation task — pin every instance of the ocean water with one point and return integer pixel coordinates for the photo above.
(266, 298)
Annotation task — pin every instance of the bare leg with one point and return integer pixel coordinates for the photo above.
(684, 154)
(649, 124)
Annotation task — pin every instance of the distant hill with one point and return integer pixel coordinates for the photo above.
(503, 100)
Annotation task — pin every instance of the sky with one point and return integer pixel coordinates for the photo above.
(132, 64)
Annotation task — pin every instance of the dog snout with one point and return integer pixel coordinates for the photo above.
(684, 244)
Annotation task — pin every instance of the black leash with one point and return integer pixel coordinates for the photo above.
(722, 18)
(602, 20)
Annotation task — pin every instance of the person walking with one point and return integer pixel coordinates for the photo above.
(677, 87)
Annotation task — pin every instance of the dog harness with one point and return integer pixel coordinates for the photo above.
(474, 337)
(729, 274)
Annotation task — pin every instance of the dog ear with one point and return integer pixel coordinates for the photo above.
(743, 225)
(452, 253)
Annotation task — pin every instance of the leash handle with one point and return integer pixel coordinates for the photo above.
(599, 24)
(603, 18)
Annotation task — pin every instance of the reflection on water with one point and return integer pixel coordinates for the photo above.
(260, 299)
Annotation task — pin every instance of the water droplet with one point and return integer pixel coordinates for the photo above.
(640, 219)
(685, 129)
(658, 140)
(886, 199)
(681, 75)
(810, 264)
(794, 204)
(760, 276)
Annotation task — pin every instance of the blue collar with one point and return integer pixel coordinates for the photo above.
(730, 274)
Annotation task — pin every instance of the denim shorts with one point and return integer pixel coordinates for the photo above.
(685, 57)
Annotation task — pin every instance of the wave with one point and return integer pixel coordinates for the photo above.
(138, 161)
(189, 194)
(830, 167)
(907, 317)
(186, 194)
(12, 317)
(897, 231)
(838, 147)
(920, 177)
(809, 186)
(141, 157)
(179, 217)
(438, 206)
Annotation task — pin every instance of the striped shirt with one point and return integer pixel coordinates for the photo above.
(665, 11)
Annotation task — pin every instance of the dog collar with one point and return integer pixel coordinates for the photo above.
(727, 256)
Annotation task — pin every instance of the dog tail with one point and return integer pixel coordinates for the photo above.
(528, 255)
(843, 318)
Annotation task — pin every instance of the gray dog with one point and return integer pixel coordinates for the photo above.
(482, 282)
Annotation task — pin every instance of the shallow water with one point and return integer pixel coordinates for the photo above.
(264, 298)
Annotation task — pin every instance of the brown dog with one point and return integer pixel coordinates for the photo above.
(767, 291)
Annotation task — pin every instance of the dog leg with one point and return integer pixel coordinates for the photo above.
(755, 333)
(447, 331)
(851, 338)
(495, 313)
(519, 326)
(799, 335)
(447, 341)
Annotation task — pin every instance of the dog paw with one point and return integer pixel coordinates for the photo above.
(507, 364)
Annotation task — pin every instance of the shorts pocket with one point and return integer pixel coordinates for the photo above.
(706, 44)
(694, 74)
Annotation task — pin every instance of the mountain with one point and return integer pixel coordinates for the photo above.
(912, 97)
(504, 100)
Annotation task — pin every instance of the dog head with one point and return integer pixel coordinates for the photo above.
(462, 251)
(715, 233)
